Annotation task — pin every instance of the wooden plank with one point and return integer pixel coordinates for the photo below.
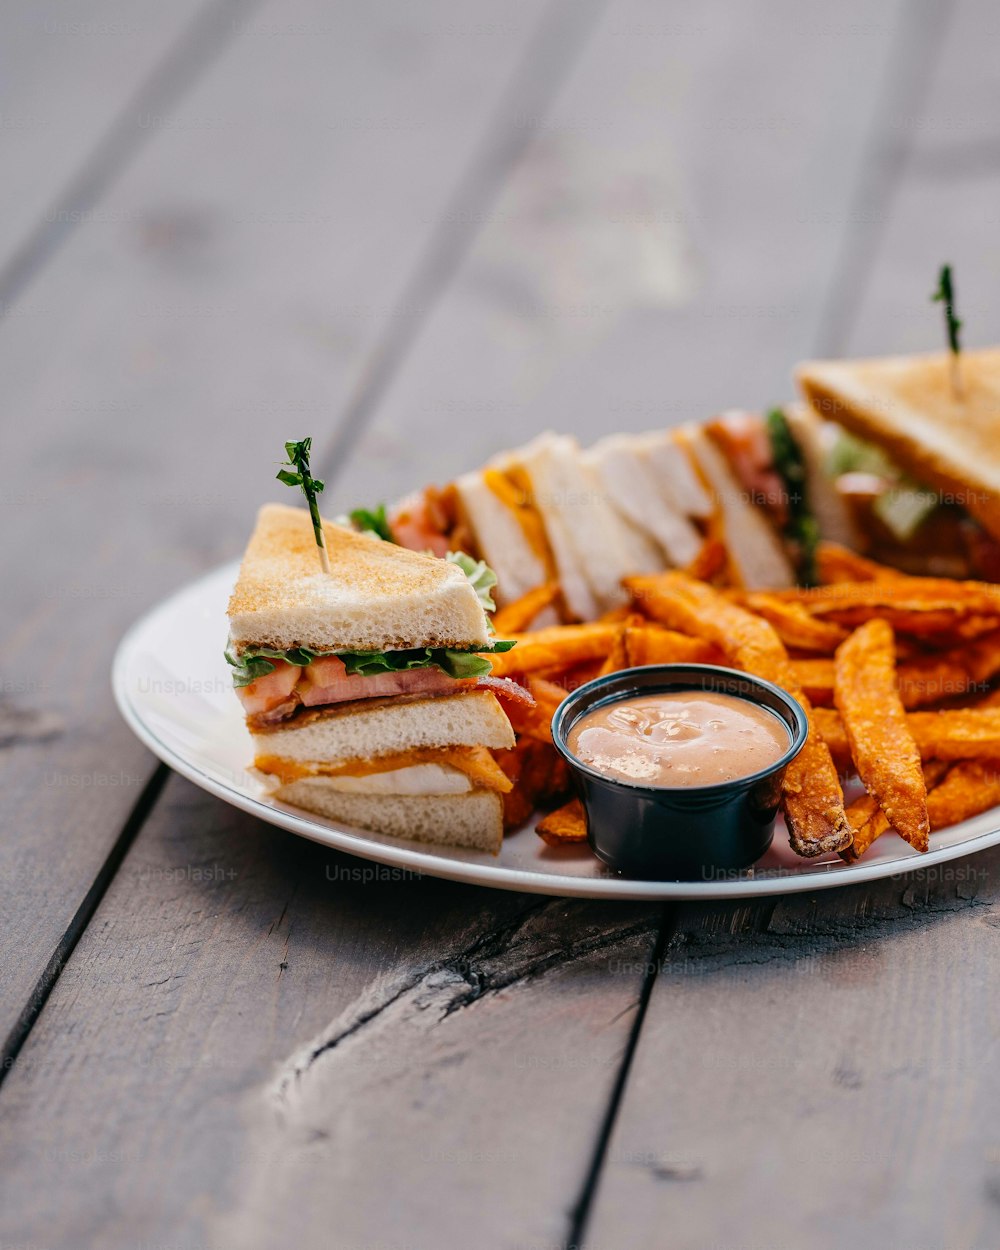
(213, 313)
(255, 1034)
(663, 248)
(534, 1004)
(823, 1080)
(822, 1075)
(945, 206)
(364, 1142)
(67, 74)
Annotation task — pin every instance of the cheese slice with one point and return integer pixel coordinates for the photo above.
(445, 767)
(417, 779)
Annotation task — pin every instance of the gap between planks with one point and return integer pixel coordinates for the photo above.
(561, 35)
(914, 54)
(177, 71)
(84, 914)
(551, 53)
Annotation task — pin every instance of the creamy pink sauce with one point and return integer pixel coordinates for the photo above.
(681, 738)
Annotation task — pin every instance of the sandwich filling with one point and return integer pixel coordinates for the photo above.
(441, 770)
(907, 524)
(273, 684)
(768, 463)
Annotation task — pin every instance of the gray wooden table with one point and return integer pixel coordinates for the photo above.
(423, 230)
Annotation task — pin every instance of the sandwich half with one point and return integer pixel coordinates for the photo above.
(367, 690)
(635, 488)
(778, 461)
(594, 545)
(756, 552)
(920, 465)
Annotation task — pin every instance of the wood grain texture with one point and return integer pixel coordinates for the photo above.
(821, 1078)
(190, 1151)
(259, 1041)
(68, 74)
(227, 300)
(254, 1045)
(943, 205)
(663, 247)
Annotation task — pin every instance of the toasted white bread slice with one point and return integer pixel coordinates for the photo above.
(755, 550)
(629, 480)
(527, 462)
(679, 485)
(593, 545)
(905, 405)
(472, 820)
(500, 539)
(376, 597)
(814, 438)
(373, 727)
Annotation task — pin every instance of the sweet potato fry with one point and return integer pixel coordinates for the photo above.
(651, 644)
(518, 804)
(536, 722)
(516, 617)
(976, 629)
(710, 561)
(921, 682)
(545, 775)
(940, 628)
(969, 788)
(615, 616)
(557, 647)
(933, 678)
(573, 677)
(813, 800)
(540, 777)
(959, 734)
(617, 657)
(916, 596)
(564, 826)
(795, 625)
(815, 676)
(869, 821)
(882, 744)
(839, 564)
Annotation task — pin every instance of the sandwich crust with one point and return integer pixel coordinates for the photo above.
(376, 597)
(472, 820)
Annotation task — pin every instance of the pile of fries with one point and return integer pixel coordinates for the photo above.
(895, 674)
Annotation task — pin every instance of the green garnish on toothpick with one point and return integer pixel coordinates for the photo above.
(945, 294)
(298, 460)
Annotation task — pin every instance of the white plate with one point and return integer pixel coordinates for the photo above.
(174, 690)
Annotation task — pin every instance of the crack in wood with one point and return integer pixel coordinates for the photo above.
(526, 947)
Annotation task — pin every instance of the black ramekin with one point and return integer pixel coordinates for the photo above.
(682, 833)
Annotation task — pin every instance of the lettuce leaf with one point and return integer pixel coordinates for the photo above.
(905, 507)
(372, 521)
(850, 454)
(801, 528)
(479, 573)
(258, 661)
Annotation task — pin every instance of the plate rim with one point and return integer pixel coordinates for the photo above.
(357, 844)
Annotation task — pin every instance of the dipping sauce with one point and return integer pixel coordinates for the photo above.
(680, 738)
